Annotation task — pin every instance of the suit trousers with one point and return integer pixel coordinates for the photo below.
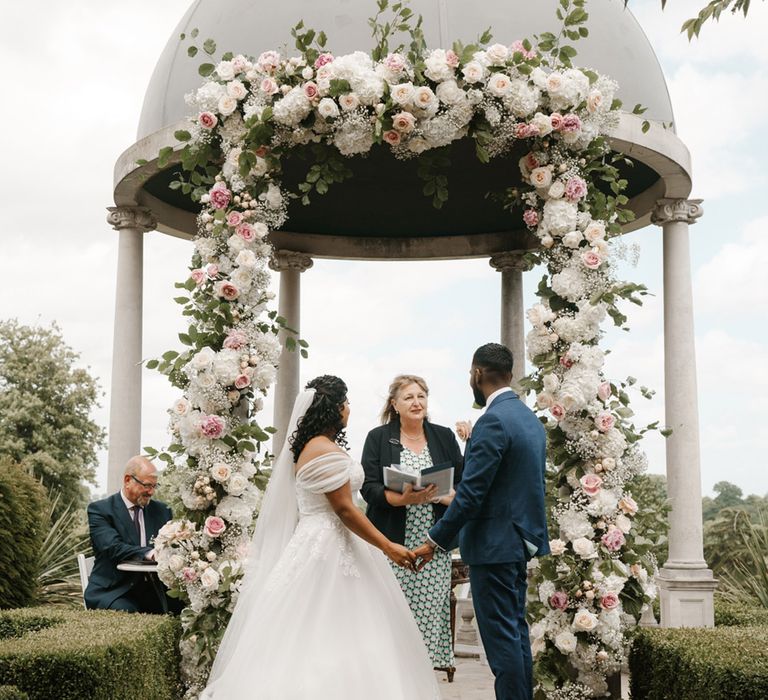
(498, 594)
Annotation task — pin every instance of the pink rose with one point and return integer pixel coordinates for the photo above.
(214, 526)
(189, 574)
(558, 600)
(310, 90)
(212, 270)
(322, 59)
(604, 391)
(575, 189)
(268, 61)
(235, 340)
(198, 276)
(566, 361)
(556, 119)
(268, 86)
(395, 62)
(524, 131)
(613, 540)
(234, 218)
(628, 505)
(609, 601)
(228, 291)
(451, 58)
(261, 151)
(571, 123)
(220, 196)
(212, 427)
(591, 259)
(591, 484)
(557, 411)
(531, 162)
(531, 218)
(604, 421)
(517, 46)
(403, 122)
(392, 137)
(246, 232)
(242, 381)
(207, 120)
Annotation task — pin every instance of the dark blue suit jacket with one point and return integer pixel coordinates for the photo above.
(500, 500)
(114, 539)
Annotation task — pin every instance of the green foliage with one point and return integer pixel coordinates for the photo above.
(58, 578)
(727, 663)
(22, 509)
(45, 409)
(58, 654)
(432, 170)
(746, 581)
(651, 521)
(11, 692)
(711, 11)
(574, 19)
(734, 615)
(403, 21)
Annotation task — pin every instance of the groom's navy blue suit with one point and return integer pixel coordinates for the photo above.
(499, 515)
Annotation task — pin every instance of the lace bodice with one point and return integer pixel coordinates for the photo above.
(325, 473)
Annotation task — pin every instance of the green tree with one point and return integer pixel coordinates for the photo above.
(45, 407)
(651, 521)
(712, 10)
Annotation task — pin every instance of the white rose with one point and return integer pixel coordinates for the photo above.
(473, 72)
(594, 232)
(327, 108)
(273, 197)
(557, 547)
(237, 484)
(203, 359)
(209, 579)
(538, 646)
(220, 471)
(225, 70)
(181, 407)
(227, 105)
(584, 621)
(260, 168)
(450, 93)
(236, 243)
(556, 189)
(425, 99)
(236, 90)
(437, 67)
(541, 177)
(205, 380)
(402, 94)
(545, 400)
(594, 101)
(497, 54)
(176, 562)
(246, 258)
(623, 523)
(565, 641)
(499, 84)
(584, 548)
(349, 101)
(543, 122)
(551, 382)
(307, 73)
(572, 239)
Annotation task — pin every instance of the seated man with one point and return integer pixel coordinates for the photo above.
(122, 527)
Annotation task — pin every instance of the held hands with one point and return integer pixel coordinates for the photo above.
(424, 554)
(464, 429)
(401, 556)
(410, 497)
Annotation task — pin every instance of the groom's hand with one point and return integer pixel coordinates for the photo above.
(424, 554)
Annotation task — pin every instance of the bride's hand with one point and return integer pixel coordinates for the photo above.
(400, 555)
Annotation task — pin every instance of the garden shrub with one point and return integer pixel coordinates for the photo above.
(62, 654)
(734, 615)
(11, 692)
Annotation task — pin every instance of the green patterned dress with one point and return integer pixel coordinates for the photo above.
(427, 592)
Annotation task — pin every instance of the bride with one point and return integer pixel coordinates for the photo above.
(320, 615)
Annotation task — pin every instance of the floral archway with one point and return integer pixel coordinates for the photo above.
(250, 114)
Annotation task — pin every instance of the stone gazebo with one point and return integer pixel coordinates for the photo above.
(468, 225)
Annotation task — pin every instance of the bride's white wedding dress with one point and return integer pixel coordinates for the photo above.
(330, 621)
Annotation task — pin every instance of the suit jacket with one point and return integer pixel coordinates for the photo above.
(114, 539)
(382, 449)
(499, 503)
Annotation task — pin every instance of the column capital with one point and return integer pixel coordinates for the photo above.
(131, 217)
(284, 260)
(669, 210)
(509, 262)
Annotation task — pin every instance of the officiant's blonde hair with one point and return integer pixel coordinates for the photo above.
(401, 381)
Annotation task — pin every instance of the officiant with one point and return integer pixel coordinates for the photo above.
(122, 528)
(409, 441)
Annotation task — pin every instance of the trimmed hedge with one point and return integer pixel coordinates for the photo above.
(11, 692)
(60, 654)
(732, 615)
(726, 663)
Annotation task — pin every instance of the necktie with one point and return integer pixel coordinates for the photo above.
(136, 510)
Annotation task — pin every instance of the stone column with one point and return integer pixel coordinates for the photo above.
(290, 265)
(511, 266)
(685, 582)
(125, 401)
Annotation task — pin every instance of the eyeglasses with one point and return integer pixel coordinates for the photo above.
(145, 484)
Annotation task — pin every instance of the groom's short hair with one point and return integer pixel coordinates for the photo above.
(494, 357)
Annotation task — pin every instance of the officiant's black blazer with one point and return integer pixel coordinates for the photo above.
(382, 449)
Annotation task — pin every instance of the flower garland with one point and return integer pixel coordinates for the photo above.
(249, 114)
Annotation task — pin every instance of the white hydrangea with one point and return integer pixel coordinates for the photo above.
(293, 108)
(560, 216)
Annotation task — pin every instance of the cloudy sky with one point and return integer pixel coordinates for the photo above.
(75, 79)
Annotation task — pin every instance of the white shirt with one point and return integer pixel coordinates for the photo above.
(139, 514)
(496, 393)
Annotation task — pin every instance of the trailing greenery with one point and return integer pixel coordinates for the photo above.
(58, 654)
(22, 529)
(727, 663)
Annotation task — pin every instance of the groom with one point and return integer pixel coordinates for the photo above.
(498, 513)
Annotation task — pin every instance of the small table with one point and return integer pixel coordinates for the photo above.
(150, 575)
(459, 574)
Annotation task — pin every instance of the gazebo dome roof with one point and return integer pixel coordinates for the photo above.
(616, 46)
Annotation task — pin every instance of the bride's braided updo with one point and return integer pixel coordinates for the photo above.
(323, 416)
